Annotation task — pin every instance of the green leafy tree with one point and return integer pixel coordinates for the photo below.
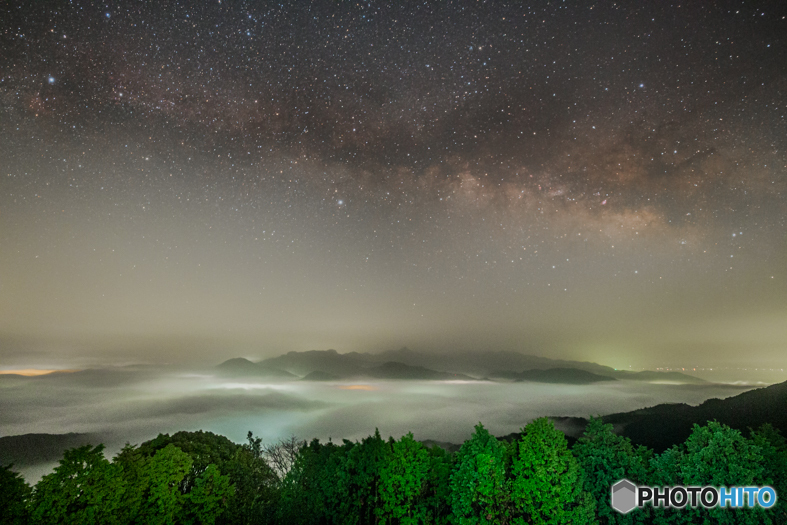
(547, 484)
(436, 500)
(84, 489)
(715, 455)
(133, 468)
(308, 489)
(356, 475)
(162, 502)
(606, 458)
(204, 448)
(480, 492)
(774, 453)
(208, 498)
(337, 480)
(14, 497)
(238, 473)
(402, 482)
(254, 499)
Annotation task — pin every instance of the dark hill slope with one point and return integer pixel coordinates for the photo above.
(475, 364)
(394, 370)
(33, 449)
(319, 375)
(482, 363)
(566, 376)
(330, 361)
(655, 376)
(243, 367)
(662, 426)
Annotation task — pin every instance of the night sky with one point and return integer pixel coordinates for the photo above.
(203, 180)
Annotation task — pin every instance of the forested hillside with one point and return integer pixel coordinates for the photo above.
(201, 477)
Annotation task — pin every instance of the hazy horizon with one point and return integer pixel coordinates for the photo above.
(134, 404)
(63, 353)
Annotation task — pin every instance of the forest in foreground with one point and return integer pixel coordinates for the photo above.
(204, 478)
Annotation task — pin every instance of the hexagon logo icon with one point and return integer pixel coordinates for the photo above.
(624, 496)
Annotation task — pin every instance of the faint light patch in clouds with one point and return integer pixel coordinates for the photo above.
(30, 372)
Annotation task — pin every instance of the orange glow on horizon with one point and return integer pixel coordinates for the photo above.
(357, 387)
(30, 372)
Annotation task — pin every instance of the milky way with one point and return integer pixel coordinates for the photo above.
(597, 181)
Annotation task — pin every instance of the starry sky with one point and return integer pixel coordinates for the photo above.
(202, 180)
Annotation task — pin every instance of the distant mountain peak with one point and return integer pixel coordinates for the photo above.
(236, 362)
(242, 366)
(461, 363)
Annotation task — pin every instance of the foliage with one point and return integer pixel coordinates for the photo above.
(535, 479)
(435, 503)
(134, 471)
(358, 480)
(208, 498)
(606, 458)
(302, 498)
(84, 489)
(715, 455)
(480, 492)
(164, 473)
(547, 482)
(403, 480)
(256, 485)
(204, 448)
(774, 453)
(14, 497)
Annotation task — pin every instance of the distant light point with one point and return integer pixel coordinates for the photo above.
(51, 80)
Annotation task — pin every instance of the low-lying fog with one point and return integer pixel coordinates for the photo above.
(134, 404)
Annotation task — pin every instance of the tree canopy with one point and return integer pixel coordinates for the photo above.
(546, 481)
(194, 478)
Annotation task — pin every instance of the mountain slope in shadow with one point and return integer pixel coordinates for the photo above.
(239, 367)
(662, 426)
(33, 449)
(473, 364)
(395, 370)
(566, 376)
